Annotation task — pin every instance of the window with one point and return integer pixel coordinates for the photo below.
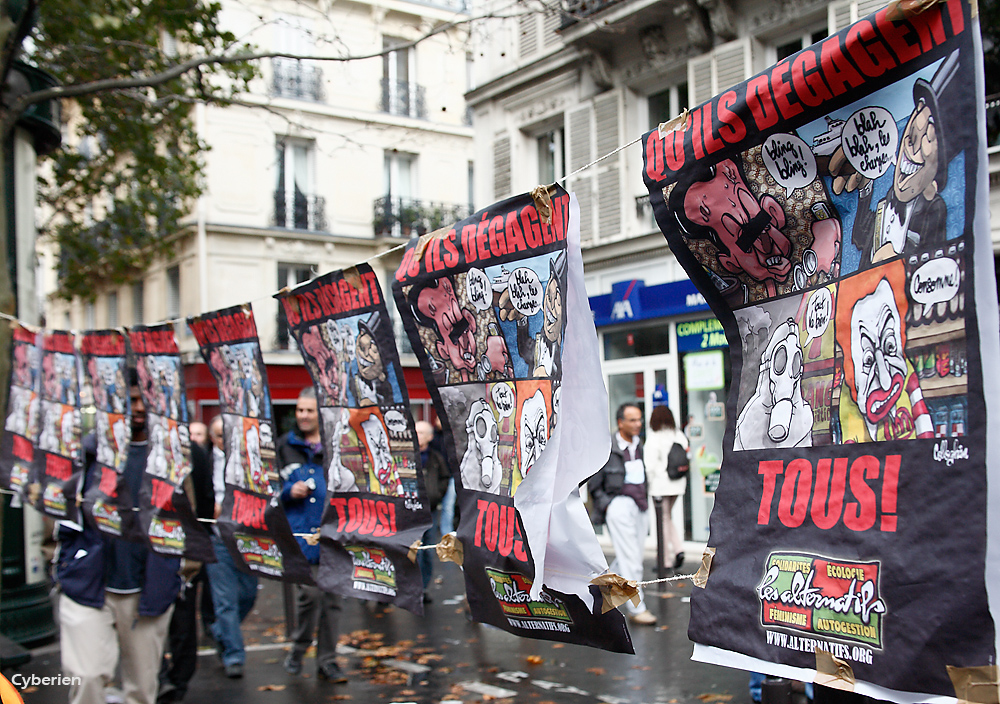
(398, 179)
(667, 104)
(289, 275)
(294, 78)
(400, 93)
(88, 315)
(138, 303)
(551, 156)
(113, 309)
(472, 185)
(174, 292)
(296, 205)
(788, 45)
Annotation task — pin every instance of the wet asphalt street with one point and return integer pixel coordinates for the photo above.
(394, 656)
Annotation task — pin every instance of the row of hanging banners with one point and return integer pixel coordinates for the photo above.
(833, 211)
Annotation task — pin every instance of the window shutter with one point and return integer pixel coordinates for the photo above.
(846, 12)
(550, 23)
(580, 135)
(867, 7)
(700, 79)
(607, 122)
(501, 167)
(528, 34)
(732, 65)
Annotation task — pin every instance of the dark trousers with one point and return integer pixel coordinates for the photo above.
(316, 609)
(182, 638)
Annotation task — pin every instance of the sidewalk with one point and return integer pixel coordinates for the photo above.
(395, 656)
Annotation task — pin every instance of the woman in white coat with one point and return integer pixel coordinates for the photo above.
(662, 436)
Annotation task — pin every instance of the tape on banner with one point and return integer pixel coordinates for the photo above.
(424, 240)
(449, 549)
(700, 578)
(543, 203)
(898, 10)
(980, 685)
(412, 554)
(616, 590)
(833, 672)
(677, 123)
(352, 277)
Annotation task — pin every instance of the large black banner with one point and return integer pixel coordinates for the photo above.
(252, 523)
(831, 210)
(20, 431)
(485, 304)
(165, 512)
(58, 454)
(376, 499)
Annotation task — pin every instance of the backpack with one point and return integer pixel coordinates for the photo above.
(678, 462)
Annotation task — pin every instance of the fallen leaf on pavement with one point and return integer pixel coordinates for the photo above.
(535, 659)
(270, 688)
(339, 697)
(29, 690)
(558, 645)
(596, 670)
(662, 628)
(715, 697)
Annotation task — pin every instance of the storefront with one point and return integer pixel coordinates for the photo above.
(660, 344)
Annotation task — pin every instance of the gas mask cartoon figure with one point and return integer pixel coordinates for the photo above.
(339, 478)
(533, 431)
(481, 470)
(383, 465)
(777, 415)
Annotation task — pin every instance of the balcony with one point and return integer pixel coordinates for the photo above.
(404, 217)
(403, 99)
(299, 212)
(575, 10)
(296, 79)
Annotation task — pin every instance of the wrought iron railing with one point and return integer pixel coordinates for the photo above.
(403, 217)
(403, 99)
(294, 78)
(299, 211)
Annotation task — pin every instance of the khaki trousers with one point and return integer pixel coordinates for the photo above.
(93, 641)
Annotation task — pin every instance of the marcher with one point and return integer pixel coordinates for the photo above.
(233, 590)
(620, 501)
(182, 642)
(117, 596)
(448, 507)
(662, 436)
(303, 475)
(436, 478)
(198, 433)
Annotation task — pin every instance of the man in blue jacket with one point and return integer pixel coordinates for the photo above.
(117, 596)
(303, 475)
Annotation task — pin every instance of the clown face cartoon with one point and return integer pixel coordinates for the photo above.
(383, 464)
(533, 431)
(481, 470)
(877, 353)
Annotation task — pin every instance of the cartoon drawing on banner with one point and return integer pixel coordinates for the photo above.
(17, 444)
(884, 400)
(756, 245)
(519, 302)
(913, 154)
(371, 382)
(453, 334)
(336, 423)
(323, 352)
(161, 379)
(486, 414)
(241, 387)
(533, 426)
(245, 438)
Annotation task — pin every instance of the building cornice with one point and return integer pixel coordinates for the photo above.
(624, 251)
(521, 76)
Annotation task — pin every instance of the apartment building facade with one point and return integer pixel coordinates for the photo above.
(324, 165)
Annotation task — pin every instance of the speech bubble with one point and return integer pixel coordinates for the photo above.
(789, 161)
(525, 290)
(936, 281)
(477, 289)
(503, 399)
(818, 313)
(395, 421)
(869, 140)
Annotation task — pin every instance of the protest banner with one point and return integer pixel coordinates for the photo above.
(165, 512)
(376, 500)
(485, 304)
(833, 212)
(20, 431)
(109, 498)
(252, 523)
(56, 475)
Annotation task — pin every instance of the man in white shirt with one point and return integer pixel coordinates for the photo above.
(620, 499)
